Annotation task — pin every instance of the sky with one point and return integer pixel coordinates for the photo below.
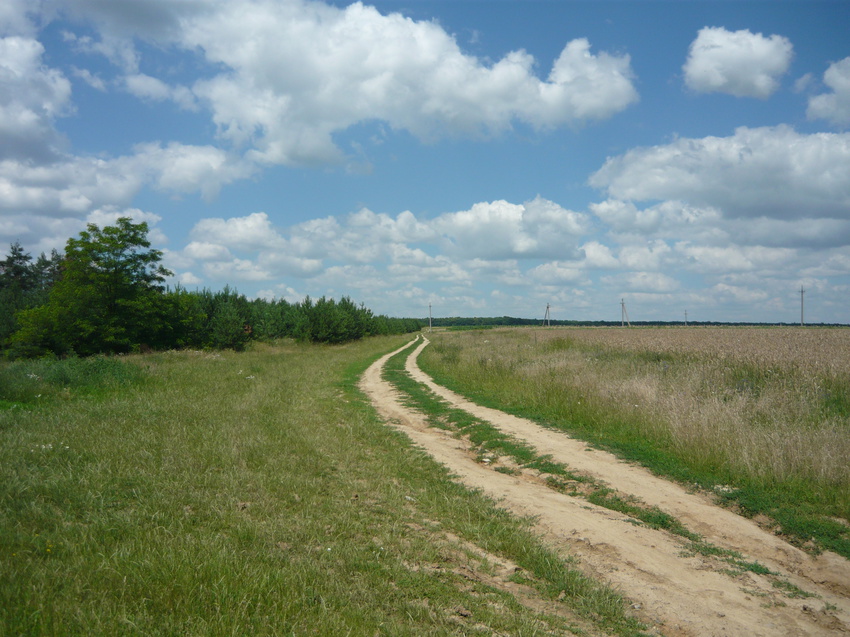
(478, 157)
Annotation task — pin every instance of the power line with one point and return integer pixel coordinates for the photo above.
(624, 316)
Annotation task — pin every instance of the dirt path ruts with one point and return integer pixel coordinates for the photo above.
(675, 593)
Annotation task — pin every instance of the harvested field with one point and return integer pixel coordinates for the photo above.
(761, 416)
(822, 350)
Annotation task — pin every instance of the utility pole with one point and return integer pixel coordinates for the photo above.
(686, 318)
(624, 316)
(546, 318)
(429, 317)
(802, 292)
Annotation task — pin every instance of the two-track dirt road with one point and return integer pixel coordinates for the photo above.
(673, 591)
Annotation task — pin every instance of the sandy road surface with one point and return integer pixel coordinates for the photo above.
(673, 592)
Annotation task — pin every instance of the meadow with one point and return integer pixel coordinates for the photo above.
(758, 416)
(224, 493)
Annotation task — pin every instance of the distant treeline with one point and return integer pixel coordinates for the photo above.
(495, 321)
(106, 294)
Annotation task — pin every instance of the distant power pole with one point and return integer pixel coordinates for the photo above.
(686, 317)
(429, 317)
(802, 292)
(624, 316)
(546, 318)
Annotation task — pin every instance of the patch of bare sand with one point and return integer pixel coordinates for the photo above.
(675, 592)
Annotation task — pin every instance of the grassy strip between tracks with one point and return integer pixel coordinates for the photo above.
(493, 447)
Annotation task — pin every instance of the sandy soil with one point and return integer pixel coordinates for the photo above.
(674, 592)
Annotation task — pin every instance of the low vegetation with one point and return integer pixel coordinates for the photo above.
(761, 417)
(225, 493)
(106, 295)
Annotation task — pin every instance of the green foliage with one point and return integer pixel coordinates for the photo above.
(109, 297)
(106, 296)
(23, 285)
(27, 382)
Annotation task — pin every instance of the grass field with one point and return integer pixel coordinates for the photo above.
(253, 493)
(761, 416)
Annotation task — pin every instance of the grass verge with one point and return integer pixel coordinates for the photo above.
(254, 493)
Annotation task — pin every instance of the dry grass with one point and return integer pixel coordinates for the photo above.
(768, 403)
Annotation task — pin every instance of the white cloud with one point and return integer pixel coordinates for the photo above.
(187, 278)
(650, 256)
(597, 255)
(249, 232)
(733, 258)
(14, 17)
(555, 272)
(404, 227)
(300, 71)
(236, 270)
(647, 282)
(739, 293)
(772, 172)
(151, 88)
(185, 168)
(31, 97)
(499, 229)
(835, 106)
(739, 63)
(624, 216)
(812, 233)
(89, 78)
(205, 251)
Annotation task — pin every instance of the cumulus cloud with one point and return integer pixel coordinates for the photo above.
(299, 71)
(724, 259)
(499, 229)
(150, 88)
(183, 168)
(646, 282)
(253, 231)
(487, 240)
(32, 96)
(771, 172)
(739, 63)
(835, 106)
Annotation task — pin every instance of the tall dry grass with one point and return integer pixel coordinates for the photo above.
(770, 404)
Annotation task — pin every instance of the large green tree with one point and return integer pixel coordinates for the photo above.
(109, 297)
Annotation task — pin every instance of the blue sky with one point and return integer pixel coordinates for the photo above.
(485, 157)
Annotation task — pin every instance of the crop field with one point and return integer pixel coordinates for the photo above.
(759, 416)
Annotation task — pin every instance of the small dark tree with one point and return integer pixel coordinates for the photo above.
(16, 286)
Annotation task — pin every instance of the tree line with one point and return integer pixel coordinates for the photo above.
(107, 294)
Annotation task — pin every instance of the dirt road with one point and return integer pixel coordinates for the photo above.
(674, 591)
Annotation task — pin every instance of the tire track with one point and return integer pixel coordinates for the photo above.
(675, 593)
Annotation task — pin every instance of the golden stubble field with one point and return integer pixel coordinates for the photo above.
(768, 403)
(818, 350)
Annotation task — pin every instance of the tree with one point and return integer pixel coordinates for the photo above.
(17, 282)
(109, 297)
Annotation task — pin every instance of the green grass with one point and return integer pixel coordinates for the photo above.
(809, 512)
(24, 383)
(252, 493)
(490, 442)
